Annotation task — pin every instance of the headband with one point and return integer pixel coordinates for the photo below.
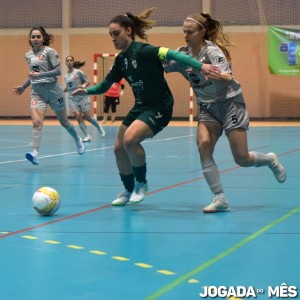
(192, 19)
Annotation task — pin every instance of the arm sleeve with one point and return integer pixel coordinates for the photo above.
(27, 84)
(165, 53)
(99, 88)
(53, 73)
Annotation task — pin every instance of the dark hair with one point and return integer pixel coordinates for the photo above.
(213, 32)
(77, 64)
(48, 37)
(138, 24)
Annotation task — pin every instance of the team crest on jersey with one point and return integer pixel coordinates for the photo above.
(42, 56)
(75, 77)
(219, 59)
(134, 63)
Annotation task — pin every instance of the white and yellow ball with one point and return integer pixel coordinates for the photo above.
(46, 201)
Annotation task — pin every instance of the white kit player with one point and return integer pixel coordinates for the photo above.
(44, 66)
(80, 105)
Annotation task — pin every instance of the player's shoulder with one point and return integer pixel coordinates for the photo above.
(184, 49)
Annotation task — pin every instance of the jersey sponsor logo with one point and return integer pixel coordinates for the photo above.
(70, 84)
(194, 78)
(219, 59)
(126, 63)
(35, 68)
(202, 86)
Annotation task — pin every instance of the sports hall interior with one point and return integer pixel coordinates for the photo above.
(164, 247)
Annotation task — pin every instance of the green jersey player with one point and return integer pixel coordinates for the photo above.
(141, 65)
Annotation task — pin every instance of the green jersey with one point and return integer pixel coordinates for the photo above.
(142, 68)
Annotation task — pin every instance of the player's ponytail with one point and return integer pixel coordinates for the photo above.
(138, 24)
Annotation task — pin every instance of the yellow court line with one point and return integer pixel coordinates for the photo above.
(209, 263)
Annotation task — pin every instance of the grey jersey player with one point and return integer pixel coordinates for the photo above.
(81, 105)
(44, 67)
(221, 104)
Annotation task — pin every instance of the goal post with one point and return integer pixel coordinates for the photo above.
(99, 74)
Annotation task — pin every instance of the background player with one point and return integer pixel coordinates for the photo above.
(44, 66)
(80, 105)
(112, 99)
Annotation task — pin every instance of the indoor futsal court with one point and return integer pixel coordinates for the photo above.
(164, 247)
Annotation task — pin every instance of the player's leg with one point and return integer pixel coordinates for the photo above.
(105, 109)
(135, 134)
(37, 116)
(114, 110)
(93, 121)
(63, 120)
(58, 105)
(124, 167)
(244, 158)
(207, 137)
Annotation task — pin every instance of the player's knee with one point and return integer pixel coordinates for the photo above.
(242, 160)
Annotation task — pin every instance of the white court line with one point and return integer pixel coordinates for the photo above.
(96, 149)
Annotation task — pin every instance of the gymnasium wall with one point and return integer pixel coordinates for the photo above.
(267, 96)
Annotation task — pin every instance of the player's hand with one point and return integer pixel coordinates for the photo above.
(79, 92)
(19, 90)
(34, 74)
(208, 69)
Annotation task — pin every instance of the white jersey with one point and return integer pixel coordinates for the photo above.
(42, 61)
(73, 80)
(207, 90)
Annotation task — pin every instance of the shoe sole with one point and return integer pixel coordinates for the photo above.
(29, 157)
(215, 211)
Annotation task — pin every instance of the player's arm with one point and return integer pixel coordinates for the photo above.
(53, 73)
(97, 89)
(168, 54)
(21, 88)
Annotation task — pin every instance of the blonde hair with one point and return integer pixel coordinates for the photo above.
(213, 31)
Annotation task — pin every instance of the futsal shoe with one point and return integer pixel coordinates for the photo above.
(102, 131)
(87, 138)
(219, 204)
(122, 199)
(277, 168)
(32, 157)
(80, 146)
(139, 192)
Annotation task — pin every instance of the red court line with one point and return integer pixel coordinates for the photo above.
(109, 205)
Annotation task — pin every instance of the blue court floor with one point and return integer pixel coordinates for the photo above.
(162, 248)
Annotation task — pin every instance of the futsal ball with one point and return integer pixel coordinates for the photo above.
(46, 201)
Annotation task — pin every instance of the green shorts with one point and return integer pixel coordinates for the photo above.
(156, 118)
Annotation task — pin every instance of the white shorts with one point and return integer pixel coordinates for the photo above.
(80, 105)
(227, 114)
(48, 93)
